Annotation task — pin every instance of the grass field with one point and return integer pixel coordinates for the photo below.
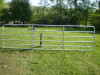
(42, 62)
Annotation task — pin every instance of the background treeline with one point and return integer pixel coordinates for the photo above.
(59, 12)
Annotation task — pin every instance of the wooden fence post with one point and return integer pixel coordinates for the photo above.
(40, 39)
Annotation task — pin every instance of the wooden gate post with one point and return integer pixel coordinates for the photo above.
(40, 39)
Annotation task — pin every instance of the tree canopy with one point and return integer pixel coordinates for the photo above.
(2, 6)
(20, 10)
(60, 12)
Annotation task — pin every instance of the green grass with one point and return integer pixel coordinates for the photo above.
(42, 62)
(37, 43)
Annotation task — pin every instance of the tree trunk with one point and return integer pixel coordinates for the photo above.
(23, 22)
(86, 17)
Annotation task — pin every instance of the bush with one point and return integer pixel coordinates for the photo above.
(95, 21)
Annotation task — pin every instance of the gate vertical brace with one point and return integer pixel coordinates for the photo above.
(32, 38)
(3, 36)
(63, 39)
(94, 39)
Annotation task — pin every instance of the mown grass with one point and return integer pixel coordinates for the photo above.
(42, 62)
(36, 38)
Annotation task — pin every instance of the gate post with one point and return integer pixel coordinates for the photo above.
(3, 36)
(63, 39)
(32, 38)
(94, 39)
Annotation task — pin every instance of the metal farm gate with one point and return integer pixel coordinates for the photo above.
(48, 37)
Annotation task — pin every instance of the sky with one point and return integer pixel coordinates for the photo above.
(35, 2)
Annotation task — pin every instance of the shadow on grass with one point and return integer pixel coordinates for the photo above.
(13, 50)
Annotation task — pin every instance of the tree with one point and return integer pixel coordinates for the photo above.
(95, 18)
(2, 6)
(63, 12)
(5, 18)
(20, 10)
(43, 4)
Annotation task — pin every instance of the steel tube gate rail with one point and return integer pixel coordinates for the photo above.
(60, 37)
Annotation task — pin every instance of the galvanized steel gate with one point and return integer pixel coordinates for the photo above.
(60, 37)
